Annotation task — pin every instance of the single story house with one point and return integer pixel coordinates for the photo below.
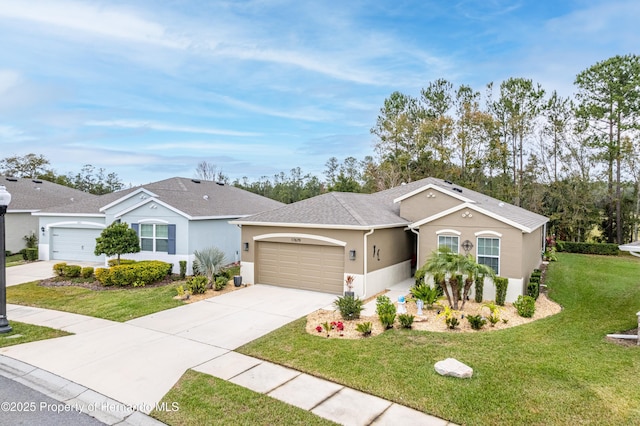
(173, 217)
(30, 196)
(381, 238)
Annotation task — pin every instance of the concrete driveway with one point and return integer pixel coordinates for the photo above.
(37, 271)
(137, 362)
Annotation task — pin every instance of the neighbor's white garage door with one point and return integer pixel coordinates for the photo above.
(307, 267)
(75, 244)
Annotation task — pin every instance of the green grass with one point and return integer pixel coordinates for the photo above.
(15, 259)
(201, 399)
(116, 305)
(28, 333)
(555, 371)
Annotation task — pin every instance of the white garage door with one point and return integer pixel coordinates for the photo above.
(307, 267)
(75, 244)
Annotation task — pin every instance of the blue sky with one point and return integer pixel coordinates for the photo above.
(147, 89)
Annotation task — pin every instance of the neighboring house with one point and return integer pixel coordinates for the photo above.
(29, 196)
(173, 218)
(378, 238)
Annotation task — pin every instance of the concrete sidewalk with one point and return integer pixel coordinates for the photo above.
(138, 362)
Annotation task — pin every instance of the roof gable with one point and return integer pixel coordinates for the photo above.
(144, 194)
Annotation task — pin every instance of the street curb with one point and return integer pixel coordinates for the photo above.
(101, 407)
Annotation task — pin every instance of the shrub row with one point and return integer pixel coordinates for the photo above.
(588, 248)
(72, 271)
(135, 274)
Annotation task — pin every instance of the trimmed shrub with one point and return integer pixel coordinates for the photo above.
(406, 320)
(102, 275)
(350, 307)
(135, 274)
(526, 306)
(32, 254)
(23, 252)
(501, 289)
(605, 249)
(114, 262)
(72, 271)
(220, 283)
(479, 289)
(386, 311)
(197, 284)
(533, 289)
(87, 272)
(183, 269)
(476, 321)
(58, 268)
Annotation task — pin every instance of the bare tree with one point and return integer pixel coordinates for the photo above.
(209, 171)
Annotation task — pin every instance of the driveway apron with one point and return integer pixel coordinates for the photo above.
(137, 362)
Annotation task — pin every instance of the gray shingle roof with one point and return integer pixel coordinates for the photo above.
(339, 209)
(194, 198)
(34, 194)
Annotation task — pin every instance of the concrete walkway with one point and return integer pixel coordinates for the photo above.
(39, 270)
(400, 289)
(136, 363)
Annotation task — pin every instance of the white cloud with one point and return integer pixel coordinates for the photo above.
(13, 134)
(93, 19)
(151, 125)
(8, 80)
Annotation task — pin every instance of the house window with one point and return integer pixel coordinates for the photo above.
(154, 237)
(449, 241)
(489, 253)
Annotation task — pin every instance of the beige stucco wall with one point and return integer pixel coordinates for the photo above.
(426, 204)
(532, 251)
(392, 246)
(511, 240)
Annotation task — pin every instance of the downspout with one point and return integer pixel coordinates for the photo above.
(544, 238)
(366, 262)
(417, 245)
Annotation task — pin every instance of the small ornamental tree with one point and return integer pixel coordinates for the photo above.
(117, 239)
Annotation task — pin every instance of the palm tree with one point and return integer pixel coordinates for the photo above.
(473, 269)
(208, 262)
(444, 263)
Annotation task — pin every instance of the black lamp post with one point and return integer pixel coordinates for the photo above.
(5, 199)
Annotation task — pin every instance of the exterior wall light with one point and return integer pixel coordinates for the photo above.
(245, 246)
(352, 255)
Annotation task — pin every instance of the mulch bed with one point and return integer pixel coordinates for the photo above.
(95, 285)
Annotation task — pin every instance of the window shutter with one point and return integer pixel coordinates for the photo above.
(136, 227)
(172, 239)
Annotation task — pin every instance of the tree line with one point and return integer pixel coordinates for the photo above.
(573, 159)
(88, 179)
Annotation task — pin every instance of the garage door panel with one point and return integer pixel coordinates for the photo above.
(74, 244)
(309, 267)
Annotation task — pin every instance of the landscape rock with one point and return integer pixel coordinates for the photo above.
(453, 367)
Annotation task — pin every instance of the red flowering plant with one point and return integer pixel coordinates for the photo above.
(333, 325)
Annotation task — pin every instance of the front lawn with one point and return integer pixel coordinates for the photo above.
(113, 304)
(555, 371)
(25, 333)
(15, 259)
(200, 399)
